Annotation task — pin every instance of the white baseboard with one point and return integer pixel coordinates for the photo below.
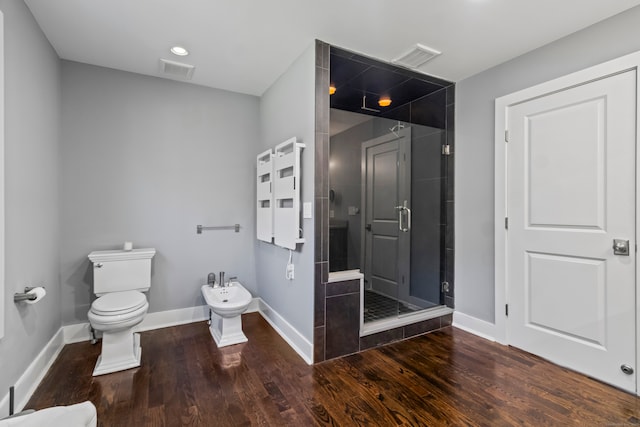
(76, 333)
(182, 316)
(290, 334)
(156, 320)
(474, 325)
(165, 319)
(35, 372)
(30, 379)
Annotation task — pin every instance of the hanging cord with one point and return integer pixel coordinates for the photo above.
(289, 272)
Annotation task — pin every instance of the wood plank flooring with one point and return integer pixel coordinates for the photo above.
(446, 378)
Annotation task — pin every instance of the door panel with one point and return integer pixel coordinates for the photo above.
(554, 280)
(387, 179)
(555, 137)
(384, 182)
(382, 264)
(570, 192)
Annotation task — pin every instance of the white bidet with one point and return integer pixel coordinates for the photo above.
(227, 303)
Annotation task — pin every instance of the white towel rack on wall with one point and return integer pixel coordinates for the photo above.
(286, 177)
(264, 190)
(278, 194)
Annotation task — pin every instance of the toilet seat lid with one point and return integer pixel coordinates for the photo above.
(118, 303)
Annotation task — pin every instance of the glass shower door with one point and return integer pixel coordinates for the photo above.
(386, 233)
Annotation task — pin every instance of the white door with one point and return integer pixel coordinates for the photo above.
(570, 193)
(386, 197)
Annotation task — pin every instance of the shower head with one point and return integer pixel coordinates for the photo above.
(394, 130)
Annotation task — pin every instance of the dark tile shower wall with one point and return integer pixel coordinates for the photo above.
(336, 320)
(449, 206)
(342, 324)
(404, 332)
(343, 318)
(321, 199)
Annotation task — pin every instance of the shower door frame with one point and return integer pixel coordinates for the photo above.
(420, 315)
(403, 195)
(410, 325)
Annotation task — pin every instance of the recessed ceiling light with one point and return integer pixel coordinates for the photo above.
(384, 101)
(179, 50)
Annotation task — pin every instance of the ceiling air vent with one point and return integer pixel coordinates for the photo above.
(177, 69)
(417, 56)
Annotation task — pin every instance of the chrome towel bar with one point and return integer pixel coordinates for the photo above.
(235, 227)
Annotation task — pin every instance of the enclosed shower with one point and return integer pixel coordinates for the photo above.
(391, 185)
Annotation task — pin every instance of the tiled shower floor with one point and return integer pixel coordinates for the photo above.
(378, 306)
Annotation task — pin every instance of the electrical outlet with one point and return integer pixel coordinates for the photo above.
(290, 272)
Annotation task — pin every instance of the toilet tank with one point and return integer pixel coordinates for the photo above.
(119, 270)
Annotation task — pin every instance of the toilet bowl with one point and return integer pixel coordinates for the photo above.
(118, 310)
(119, 279)
(227, 305)
(115, 314)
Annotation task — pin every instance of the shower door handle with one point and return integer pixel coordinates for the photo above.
(405, 212)
(401, 211)
(408, 219)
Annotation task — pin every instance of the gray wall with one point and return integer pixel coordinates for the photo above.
(474, 213)
(32, 120)
(287, 109)
(145, 160)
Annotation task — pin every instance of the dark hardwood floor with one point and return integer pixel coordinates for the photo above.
(448, 377)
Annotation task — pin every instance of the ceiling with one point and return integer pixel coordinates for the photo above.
(360, 82)
(245, 45)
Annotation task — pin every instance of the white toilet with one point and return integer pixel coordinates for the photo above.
(119, 278)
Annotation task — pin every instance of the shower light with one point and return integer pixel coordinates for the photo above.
(385, 101)
(179, 50)
(332, 89)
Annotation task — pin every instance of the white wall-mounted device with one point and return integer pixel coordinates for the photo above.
(264, 190)
(278, 195)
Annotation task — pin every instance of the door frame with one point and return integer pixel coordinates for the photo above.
(615, 66)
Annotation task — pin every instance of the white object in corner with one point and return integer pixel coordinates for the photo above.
(286, 194)
(264, 196)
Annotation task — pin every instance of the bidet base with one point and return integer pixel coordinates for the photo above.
(227, 330)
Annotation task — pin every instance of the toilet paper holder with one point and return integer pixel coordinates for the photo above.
(26, 296)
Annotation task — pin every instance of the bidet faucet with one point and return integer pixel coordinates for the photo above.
(221, 279)
(211, 279)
